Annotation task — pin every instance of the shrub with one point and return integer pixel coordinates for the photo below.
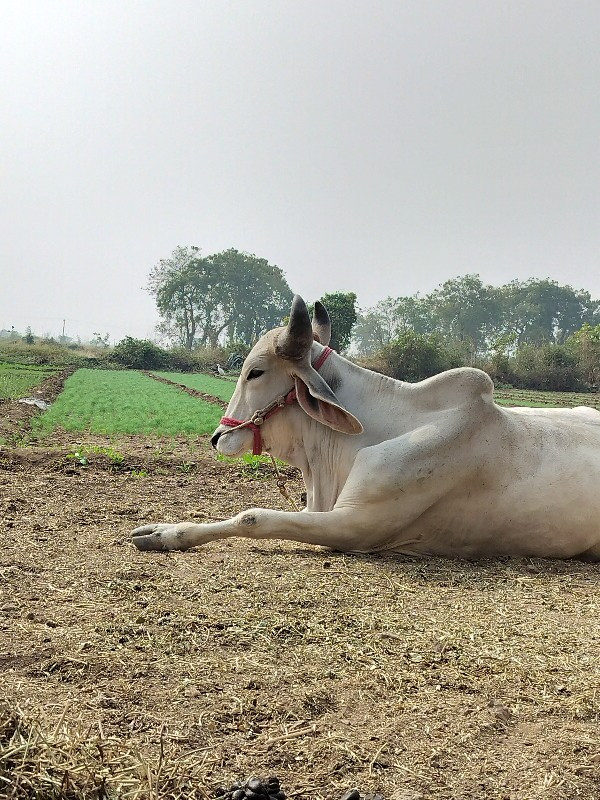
(42, 354)
(416, 356)
(585, 346)
(498, 368)
(139, 354)
(551, 367)
(374, 362)
(201, 359)
(183, 360)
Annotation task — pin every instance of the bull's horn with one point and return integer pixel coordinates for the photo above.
(321, 324)
(296, 340)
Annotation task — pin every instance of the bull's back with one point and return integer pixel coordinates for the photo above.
(566, 415)
(535, 492)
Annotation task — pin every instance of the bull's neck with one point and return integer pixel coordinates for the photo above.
(374, 399)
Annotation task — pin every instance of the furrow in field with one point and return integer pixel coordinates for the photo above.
(209, 385)
(187, 389)
(17, 380)
(17, 418)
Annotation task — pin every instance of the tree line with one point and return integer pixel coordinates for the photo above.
(530, 334)
(534, 332)
(480, 317)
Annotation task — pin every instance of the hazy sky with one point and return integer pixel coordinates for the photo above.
(380, 147)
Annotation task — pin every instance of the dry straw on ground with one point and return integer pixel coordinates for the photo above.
(63, 761)
(149, 675)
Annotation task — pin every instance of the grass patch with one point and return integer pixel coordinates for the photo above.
(17, 380)
(81, 455)
(218, 387)
(224, 388)
(125, 402)
(49, 354)
(512, 403)
(253, 466)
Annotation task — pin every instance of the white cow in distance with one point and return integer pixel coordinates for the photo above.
(434, 467)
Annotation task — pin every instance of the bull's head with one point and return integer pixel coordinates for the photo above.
(279, 361)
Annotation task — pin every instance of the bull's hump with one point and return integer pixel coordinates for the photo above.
(453, 388)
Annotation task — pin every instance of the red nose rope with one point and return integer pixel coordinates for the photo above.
(257, 419)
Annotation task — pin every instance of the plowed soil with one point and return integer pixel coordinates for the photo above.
(415, 678)
(15, 417)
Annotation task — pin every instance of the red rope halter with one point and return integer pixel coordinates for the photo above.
(258, 418)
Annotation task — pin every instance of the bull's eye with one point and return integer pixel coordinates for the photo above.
(254, 373)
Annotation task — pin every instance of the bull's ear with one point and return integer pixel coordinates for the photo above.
(321, 324)
(295, 341)
(319, 402)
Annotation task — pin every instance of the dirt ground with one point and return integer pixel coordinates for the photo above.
(15, 417)
(415, 678)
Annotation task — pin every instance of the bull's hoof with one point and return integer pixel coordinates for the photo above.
(150, 542)
(150, 537)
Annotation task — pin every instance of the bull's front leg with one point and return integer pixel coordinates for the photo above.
(336, 529)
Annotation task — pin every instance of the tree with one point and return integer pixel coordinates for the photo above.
(201, 299)
(501, 350)
(585, 344)
(341, 307)
(28, 338)
(542, 311)
(100, 341)
(178, 285)
(255, 295)
(372, 330)
(467, 311)
(378, 326)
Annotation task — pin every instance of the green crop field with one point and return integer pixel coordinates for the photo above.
(128, 402)
(217, 387)
(542, 399)
(115, 402)
(17, 381)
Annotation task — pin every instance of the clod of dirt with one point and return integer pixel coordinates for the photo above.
(501, 712)
(351, 794)
(252, 789)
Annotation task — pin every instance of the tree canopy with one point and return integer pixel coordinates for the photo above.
(531, 333)
(341, 307)
(232, 295)
(478, 316)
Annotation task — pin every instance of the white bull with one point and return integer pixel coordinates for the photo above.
(434, 467)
